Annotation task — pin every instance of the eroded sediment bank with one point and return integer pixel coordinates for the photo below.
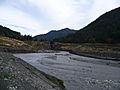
(16, 74)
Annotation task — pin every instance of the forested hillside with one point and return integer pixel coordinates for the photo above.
(105, 29)
(54, 34)
(6, 32)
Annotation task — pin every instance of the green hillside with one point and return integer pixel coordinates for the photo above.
(105, 29)
(6, 32)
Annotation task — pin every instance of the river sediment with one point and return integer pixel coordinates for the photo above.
(77, 72)
(16, 74)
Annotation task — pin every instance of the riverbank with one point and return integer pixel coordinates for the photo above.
(101, 58)
(96, 50)
(94, 59)
(98, 55)
(15, 50)
(16, 74)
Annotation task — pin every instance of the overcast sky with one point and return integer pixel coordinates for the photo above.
(40, 16)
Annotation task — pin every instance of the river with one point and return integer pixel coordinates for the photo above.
(77, 72)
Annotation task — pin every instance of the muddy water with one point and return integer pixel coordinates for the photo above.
(76, 71)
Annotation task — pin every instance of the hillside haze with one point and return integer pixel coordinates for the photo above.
(54, 34)
(105, 29)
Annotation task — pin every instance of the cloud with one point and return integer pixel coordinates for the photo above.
(40, 16)
(102, 6)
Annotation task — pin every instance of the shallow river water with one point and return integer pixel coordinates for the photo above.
(76, 71)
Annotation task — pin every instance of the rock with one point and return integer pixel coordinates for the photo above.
(21, 76)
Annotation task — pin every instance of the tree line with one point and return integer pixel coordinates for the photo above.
(6, 32)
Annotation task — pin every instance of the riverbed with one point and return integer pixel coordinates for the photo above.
(77, 72)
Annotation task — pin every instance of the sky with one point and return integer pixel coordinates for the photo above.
(33, 17)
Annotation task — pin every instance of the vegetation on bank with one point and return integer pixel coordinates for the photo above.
(89, 47)
(13, 45)
(59, 82)
(11, 42)
(96, 50)
(5, 75)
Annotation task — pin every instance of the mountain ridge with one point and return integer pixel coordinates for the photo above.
(53, 34)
